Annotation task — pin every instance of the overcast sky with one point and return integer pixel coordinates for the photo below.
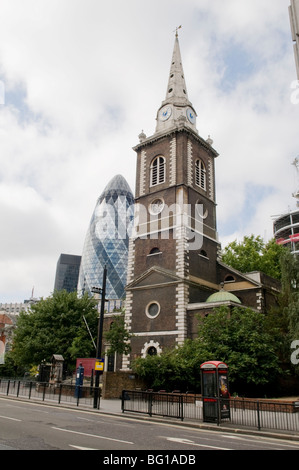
(83, 78)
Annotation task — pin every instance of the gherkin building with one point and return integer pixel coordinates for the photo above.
(107, 241)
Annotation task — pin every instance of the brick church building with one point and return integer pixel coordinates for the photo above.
(175, 270)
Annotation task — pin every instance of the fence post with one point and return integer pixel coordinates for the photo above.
(150, 403)
(18, 388)
(59, 396)
(218, 411)
(258, 415)
(182, 407)
(7, 390)
(123, 401)
(30, 387)
(44, 391)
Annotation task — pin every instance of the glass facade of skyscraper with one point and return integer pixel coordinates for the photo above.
(107, 240)
(67, 272)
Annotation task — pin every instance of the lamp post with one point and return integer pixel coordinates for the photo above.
(101, 291)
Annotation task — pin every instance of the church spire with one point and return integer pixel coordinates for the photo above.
(176, 108)
(176, 90)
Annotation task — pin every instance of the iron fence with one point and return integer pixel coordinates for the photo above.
(44, 391)
(260, 414)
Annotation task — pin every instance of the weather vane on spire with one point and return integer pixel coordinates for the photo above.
(176, 30)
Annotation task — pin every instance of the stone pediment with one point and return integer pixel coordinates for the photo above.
(155, 276)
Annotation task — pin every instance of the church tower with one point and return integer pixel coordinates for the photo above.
(173, 249)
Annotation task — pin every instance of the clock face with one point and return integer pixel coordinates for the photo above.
(191, 115)
(156, 206)
(165, 113)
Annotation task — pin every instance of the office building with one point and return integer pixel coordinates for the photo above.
(67, 272)
(107, 239)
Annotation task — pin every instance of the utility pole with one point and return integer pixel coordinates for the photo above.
(102, 291)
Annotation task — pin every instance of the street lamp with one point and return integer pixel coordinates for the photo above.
(101, 291)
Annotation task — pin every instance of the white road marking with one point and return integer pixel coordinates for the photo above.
(82, 448)
(191, 443)
(92, 435)
(262, 440)
(13, 419)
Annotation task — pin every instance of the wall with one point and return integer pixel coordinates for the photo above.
(115, 382)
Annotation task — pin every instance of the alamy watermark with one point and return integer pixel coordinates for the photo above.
(295, 354)
(156, 221)
(295, 94)
(2, 92)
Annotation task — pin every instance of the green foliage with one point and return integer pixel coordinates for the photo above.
(55, 325)
(253, 254)
(289, 304)
(10, 369)
(118, 336)
(290, 291)
(243, 341)
(176, 369)
(240, 338)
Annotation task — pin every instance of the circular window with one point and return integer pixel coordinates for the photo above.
(152, 310)
(156, 206)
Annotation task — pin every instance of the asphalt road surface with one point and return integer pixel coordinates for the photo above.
(33, 426)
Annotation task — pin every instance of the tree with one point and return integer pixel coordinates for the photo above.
(253, 254)
(289, 306)
(55, 325)
(290, 291)
(174, 369)
(240, 338)
(118, 336)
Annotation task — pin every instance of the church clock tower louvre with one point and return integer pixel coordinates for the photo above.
(173, 250)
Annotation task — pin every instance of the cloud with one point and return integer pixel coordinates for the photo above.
(82, 79)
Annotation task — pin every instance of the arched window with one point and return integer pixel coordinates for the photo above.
(229, 278)
(200, 174)
(155, 251)
(158, 171)
(151, 348)
(152, 351)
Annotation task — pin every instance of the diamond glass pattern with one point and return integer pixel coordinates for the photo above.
(107, 240)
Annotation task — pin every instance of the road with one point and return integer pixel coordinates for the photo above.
(33, 426)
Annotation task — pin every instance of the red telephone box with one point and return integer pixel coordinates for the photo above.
(215, 391)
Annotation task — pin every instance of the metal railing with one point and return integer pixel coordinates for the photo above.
(44, 391)
(260, 414)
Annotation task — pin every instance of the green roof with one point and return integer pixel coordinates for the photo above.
(223, 296)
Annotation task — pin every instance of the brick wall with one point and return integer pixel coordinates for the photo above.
(115, 382)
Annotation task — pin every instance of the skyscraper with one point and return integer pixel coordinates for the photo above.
(107, 239)
(67, 272)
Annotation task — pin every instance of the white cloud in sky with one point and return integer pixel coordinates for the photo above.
(83, 78)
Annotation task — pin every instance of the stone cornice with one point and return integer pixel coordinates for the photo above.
(174, 130)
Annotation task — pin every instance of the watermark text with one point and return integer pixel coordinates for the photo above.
(295, 354)
(295, 94)
(2, 92)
